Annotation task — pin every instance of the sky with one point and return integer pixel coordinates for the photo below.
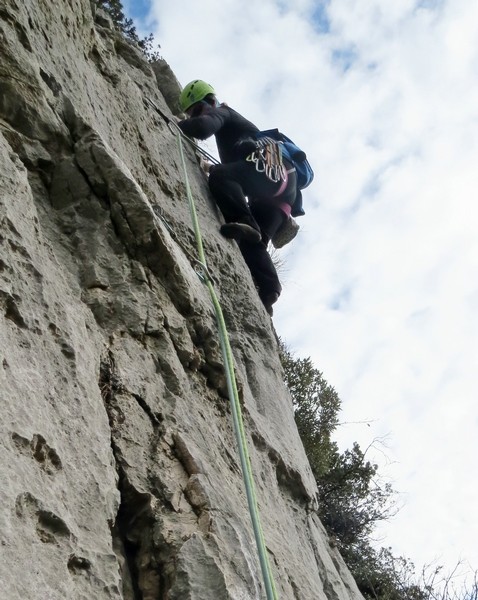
(380, 287)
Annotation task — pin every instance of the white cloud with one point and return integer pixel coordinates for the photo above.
(381, 284)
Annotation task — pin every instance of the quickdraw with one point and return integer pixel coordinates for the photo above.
(268, 159)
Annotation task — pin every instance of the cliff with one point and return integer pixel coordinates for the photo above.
(119, 473)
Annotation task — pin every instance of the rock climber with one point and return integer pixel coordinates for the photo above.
(253, 188)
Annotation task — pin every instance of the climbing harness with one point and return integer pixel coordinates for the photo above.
(238, 422)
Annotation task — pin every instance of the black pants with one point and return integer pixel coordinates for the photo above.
(230, 183)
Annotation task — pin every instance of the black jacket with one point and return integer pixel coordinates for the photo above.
(226, 124)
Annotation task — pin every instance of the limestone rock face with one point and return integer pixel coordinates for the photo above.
(119, 474)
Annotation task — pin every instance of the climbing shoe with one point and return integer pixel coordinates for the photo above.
(286, 233)
(268, 300)
(241, 232)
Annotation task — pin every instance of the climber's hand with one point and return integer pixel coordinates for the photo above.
(205, 165)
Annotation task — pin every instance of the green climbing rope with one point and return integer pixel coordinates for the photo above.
(238, 421)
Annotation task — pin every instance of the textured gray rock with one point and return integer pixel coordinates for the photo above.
(120, 476)
(168, 83)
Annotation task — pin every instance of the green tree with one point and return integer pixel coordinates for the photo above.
(353, 498)
(381, 576)
(316, 408)
(351, 501)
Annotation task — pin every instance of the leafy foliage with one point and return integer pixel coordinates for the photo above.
(316, 408)
(115, 10)
(380, 575)
(353, 498)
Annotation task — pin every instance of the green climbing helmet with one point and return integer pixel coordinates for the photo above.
(193, 92)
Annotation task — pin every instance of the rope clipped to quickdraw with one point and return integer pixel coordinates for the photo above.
(197, 265)
(175, 129)
(238, 422)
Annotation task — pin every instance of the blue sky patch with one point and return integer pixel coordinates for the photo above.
(429, 4)
(342, 299)
(344, 58)
(320, 18)
(137, 9)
